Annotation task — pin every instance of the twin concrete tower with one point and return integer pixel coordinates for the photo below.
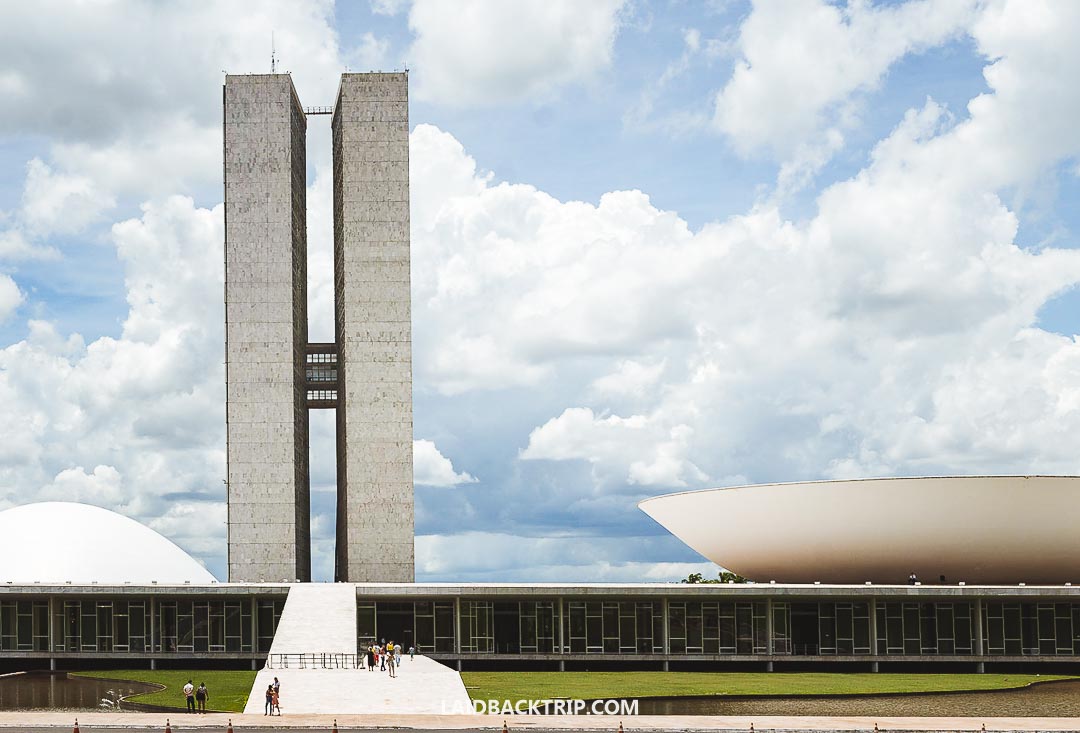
(273, 375)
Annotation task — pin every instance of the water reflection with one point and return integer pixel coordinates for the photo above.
(1048, 699)
(60, 691)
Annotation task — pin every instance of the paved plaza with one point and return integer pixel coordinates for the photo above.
(26, 722)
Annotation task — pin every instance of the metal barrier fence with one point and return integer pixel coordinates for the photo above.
(325, 660)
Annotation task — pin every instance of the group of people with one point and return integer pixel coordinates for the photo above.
(386, 656)
(196, 695)
(273, 698)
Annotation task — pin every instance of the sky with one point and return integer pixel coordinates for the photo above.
(656, 246)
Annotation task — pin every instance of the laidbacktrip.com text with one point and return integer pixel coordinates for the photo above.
(562, 706)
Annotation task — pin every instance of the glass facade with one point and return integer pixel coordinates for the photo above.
(926, 628)
(434, 623)
(826, 629)
(427, 625)
(478, 626)
(537, 627)
(717, 628)
(613, 627)
(1027, 629)
(191, 625)
(24, 626)
(682, 628)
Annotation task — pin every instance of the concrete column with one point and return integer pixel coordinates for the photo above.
(562, 640)
(769, 629)
(153, 664)
(873, 627)
(979, 630)
(457, 628)
(52, 630)
(254, 630)
(769, 666)
(874, 667)
(153, 628)
(52, 664)
(667, 633)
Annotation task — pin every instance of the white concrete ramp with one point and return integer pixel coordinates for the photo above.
(320, 619)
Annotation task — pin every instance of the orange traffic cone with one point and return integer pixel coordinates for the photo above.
(76, 726)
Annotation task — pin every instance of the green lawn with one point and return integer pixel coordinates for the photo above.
(228, 688)
(595, 685)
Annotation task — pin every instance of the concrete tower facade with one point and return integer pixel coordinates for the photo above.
(373, 328)
(266, 328)
(274, 376)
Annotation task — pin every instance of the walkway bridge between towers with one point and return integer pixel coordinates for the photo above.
(314, 657)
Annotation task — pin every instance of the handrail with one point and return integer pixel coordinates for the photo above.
(316, 660)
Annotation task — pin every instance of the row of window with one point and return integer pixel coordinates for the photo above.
(322, 373)
(203, 626)
(533, 627)
(629, 627)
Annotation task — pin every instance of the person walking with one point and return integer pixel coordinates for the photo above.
(189, 696)
(371, 658)
(382, 659)
(390, 664)
(269, 700)
(275, 703)
(201, 696)
(412, 652)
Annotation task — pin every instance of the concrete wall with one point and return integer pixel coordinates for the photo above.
(374, 328)
(266, 329)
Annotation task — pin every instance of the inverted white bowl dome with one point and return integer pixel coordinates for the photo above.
(58, 541)
(977, 529)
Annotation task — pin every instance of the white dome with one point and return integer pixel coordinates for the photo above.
(58, 541)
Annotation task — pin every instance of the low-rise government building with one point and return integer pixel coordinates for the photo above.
(530, 626)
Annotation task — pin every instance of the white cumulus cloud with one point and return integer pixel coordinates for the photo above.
(432, 468)
(800, 62)
(481, 52)
(650, 452)
(10, 297)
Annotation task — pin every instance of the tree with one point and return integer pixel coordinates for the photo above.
(725, 577)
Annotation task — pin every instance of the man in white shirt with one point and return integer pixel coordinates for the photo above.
(189, 694)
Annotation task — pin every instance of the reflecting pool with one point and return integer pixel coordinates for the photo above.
(61, 691)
